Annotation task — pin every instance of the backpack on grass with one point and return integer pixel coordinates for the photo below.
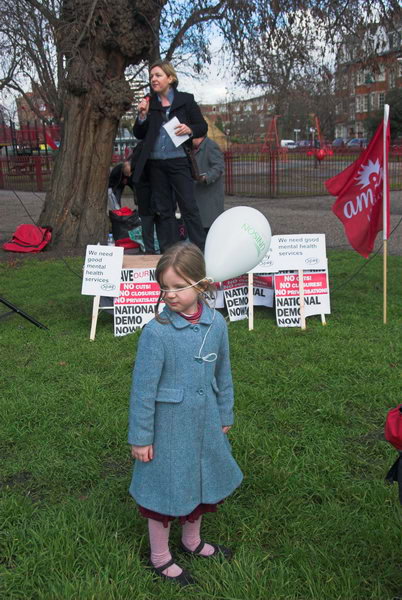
(393, 435)
(29, 238)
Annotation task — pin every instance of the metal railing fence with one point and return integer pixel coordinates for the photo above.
(249, 171)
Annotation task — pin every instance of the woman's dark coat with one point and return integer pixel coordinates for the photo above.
(184, 107)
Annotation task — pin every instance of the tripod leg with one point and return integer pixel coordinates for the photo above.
(22, 313)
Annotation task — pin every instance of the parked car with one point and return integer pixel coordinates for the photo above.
(304, 143)
(338, 142)
(357, 143)
(15, 151)
(290, 144)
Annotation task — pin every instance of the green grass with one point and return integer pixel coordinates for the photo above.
(313, 518)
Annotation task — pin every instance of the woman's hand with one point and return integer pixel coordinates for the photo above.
(142, 453)
(183, 129)
(143, 108)
(226, 428)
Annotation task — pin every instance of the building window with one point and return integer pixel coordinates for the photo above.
(369, 77)
(392, 78)
(360, 78)
(359, 104)
(365, 103)
(394, 40)
(352, 110)
(381, 100)
(400, 69)
(373, 101)
(380, 75)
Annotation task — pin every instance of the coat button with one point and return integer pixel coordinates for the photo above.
(198, 359)
(196, 328)
(200, 392)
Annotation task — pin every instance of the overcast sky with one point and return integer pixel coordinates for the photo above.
(218, 83)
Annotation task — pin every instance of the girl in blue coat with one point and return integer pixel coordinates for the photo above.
(181, 409)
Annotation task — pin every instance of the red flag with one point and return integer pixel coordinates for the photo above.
(50, 141)
(359, 191)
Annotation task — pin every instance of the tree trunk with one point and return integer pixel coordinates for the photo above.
(97, 40)
(76, 204)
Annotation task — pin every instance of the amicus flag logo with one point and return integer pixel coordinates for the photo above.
(359, 191)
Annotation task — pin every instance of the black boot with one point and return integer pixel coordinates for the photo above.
(147, 226)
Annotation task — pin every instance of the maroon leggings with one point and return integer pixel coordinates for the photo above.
(193, 516)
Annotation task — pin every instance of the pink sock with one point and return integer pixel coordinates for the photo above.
(191, 538)
(159, 542)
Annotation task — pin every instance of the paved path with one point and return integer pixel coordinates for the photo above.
(285, 215)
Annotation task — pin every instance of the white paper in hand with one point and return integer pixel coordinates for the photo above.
(170, 127)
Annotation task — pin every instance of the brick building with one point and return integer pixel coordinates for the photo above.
(361, 86)
(242, 120)
(27, 115)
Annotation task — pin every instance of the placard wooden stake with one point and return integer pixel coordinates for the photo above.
(301, 297)
(95, 312)
(250, 301)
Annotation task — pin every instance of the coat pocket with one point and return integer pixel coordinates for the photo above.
(170, 395)
(215, 386)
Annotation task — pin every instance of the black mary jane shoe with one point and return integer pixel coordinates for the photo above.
(185, 578)
(218, 550)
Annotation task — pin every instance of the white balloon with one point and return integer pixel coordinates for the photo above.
(236, 242)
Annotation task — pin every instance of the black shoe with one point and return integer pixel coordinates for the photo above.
(218, 550)
(185, 578)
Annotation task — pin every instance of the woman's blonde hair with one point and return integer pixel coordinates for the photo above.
(188, 262)
(168, 69)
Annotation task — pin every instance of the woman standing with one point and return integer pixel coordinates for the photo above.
(168, 166)
(210, 189)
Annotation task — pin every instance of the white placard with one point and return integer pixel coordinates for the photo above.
(263, 290)
(170, 128)
(300, 251)
(135, 307)
(294, 251)
(287, 300)
(236, 295)
(267, 265)
(102, 269)
(216, 300)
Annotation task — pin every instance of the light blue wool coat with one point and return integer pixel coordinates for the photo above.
(179, 403)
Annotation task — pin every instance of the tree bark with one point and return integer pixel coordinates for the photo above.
(97, 41)
(76, 204)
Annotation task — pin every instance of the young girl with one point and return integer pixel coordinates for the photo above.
(181, 409)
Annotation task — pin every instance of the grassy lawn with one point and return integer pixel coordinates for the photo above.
(313, 518)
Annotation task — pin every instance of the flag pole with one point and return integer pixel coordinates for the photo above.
(384, 211)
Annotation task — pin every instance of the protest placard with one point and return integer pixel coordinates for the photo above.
(287, 296)
(136, 304)
(267, 265)
(236, 295)
(299, 251)
(101, 274)
(294, 251)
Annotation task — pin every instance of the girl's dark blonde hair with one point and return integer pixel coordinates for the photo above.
(188, 262)
(168, 69)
